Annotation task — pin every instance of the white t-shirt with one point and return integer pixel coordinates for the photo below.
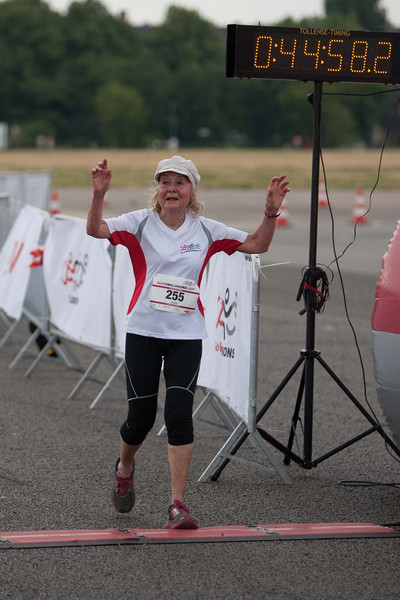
(155, 248)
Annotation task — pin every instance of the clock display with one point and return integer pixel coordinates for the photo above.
(308, 54)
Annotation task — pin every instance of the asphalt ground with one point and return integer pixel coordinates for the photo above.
(57, 455)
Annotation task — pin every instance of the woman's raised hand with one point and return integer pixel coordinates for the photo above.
(101, 177)
(276, 192)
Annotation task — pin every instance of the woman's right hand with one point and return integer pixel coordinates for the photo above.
(101, 177)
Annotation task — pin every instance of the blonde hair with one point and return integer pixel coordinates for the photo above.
(194, 206)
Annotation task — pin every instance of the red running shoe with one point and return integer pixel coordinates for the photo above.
(123, 492)
(180, 517)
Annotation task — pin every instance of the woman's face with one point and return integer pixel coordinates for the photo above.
(174, 191)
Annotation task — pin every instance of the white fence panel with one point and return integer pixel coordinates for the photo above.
(30, 187)
(15, 258)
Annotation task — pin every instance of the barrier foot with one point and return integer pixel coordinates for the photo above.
(3, 320)
(39, 356)
(225, 453)
(108, 384)
(52, 343)
(32, 338)
(9, 332)
(92, 367)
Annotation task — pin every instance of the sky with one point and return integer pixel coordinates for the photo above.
(222, 12)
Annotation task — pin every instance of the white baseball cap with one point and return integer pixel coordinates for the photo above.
(180, 165)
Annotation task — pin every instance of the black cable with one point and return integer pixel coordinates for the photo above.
(367, 483)
(336, 260)
(336, 257)
(355, 94)
(373, 187)
(314, 287)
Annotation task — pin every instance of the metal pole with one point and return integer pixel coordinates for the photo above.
(310, 326)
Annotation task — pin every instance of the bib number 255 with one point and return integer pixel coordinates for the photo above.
(174, 294)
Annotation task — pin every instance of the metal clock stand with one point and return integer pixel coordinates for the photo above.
(309, 355)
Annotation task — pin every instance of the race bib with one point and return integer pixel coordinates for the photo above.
(174, 294)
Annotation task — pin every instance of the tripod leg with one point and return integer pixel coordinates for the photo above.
(280, 387)
(295, 418)
(376, 426)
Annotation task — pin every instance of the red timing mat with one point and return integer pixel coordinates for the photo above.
(232, 533)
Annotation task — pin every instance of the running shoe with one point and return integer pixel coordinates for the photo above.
(180, 517)
(123, 492)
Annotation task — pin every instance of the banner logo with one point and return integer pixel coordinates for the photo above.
(227, 321)
(74, 271)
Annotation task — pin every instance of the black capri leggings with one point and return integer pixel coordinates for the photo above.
(143, 362)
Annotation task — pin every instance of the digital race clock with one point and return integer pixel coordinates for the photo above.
(309, 54)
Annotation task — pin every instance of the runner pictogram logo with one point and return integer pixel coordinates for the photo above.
(74, 271)
(227, 315)
(227, 321)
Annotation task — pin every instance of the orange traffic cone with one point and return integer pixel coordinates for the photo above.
(360, 208)
(322, 199)
(283, 219)
(54, 203)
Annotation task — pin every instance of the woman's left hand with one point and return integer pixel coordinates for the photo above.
(276, 192)
(101, 177)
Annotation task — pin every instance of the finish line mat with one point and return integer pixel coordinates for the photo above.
(232, 533)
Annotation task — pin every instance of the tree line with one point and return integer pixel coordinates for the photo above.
(89, 78)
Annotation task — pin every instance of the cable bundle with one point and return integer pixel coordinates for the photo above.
(314, 287)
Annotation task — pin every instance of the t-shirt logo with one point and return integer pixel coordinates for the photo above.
(190, 248)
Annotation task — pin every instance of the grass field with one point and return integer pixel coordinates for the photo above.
(346, 169)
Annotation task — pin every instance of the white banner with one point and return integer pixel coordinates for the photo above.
(123, 286)
(226, 295)
(77, 274)
(15, 258)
